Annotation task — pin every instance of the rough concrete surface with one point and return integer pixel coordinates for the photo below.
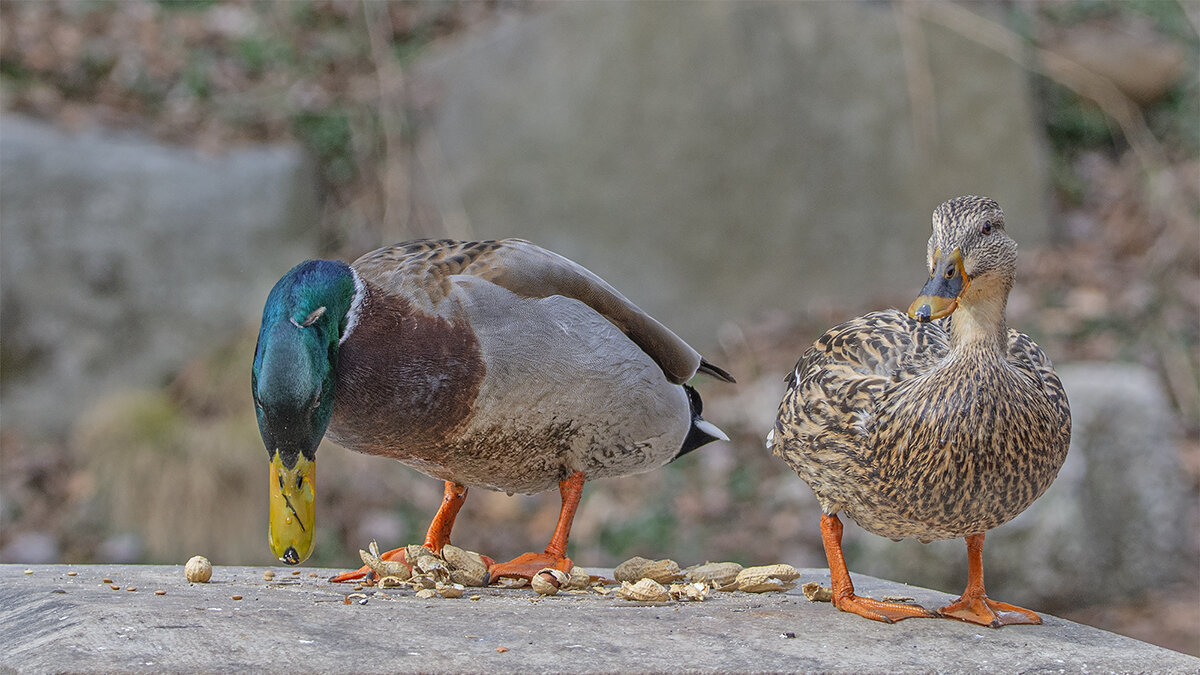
(51, 622)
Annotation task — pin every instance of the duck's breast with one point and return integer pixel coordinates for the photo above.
(961, 451)
(407, 380)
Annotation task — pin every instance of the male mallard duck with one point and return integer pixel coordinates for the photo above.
(930, 427)
(495, 364)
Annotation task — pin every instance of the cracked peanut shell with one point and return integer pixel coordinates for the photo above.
(466, 567)
(548, 581)
(645, 590)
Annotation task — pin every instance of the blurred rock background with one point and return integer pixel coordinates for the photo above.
(751, 173)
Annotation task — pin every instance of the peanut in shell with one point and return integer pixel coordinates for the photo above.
(767, 578)
(715, 574)
(663, 571)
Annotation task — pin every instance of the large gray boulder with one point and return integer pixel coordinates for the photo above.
(716, 160)
(123, 258)
(1116, 522)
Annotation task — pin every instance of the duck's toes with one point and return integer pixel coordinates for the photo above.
(877, 610)
(987, 612)
(397, 554)
(526, 565)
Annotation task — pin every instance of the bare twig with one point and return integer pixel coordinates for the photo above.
(1057, 67)
(919, 76)
(390, 78)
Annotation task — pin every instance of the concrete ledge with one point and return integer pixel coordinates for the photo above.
(52, 622)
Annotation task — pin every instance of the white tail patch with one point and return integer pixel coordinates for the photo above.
(711, 429)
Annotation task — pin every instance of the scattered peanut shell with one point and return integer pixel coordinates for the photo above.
(198, 569)
(466, 567)
(549, 580)
(383, 568)
(450, 590)
(663, 571)
(422, 582)
(427, 593)
(716, 574)
(694, 591)
(580, 579)
(645, 590)
(815, 592)
(630, 570)
(160, 592)
(766, 578)
(428, 563)
(390, 581)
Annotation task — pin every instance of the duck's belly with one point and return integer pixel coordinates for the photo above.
(564, 391)
(967, 476)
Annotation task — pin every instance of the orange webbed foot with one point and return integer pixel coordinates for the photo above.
(987, 612)
(877, 610)
(974, 606)
(397, 554)
(526, 565)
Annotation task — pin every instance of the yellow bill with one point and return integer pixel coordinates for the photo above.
(293, 509)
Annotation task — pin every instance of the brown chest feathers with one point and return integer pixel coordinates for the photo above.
(406, 381)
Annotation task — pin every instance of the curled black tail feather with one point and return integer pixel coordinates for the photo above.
(716, 371)
(701, 432)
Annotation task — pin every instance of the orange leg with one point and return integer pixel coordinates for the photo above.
(437, 536)
(527, 564)
(843, 589)
(975, 606)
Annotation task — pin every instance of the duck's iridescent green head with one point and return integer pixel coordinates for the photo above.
(293, 381)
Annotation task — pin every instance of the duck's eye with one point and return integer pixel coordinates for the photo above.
(950, 272)
(987, 227)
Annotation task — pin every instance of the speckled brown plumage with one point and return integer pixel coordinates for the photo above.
(930, 430)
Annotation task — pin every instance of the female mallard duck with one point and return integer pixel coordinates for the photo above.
(927, 428)
(495, 364)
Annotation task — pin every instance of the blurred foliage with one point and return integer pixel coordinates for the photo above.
(219, 74)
